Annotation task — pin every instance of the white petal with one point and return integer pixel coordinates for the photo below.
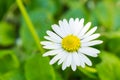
(48, 38)
(92, 37)
(89, 32)
(71, 24)
(85, 29)
(66, 26)
(64, 65)
(45, 43)
(89, 51)
(71, 20)
(54, 36)
(52, 52)
(53, 46)
(56, 58)
(85, 59)
(81, 24)
(63, 58)
(73, 65)
(52, 39)
(58, 30)
(91, 43)
(69, 59)
(81, 60)
(77, 21)
(75, 26)
(63, 28)
(76, 59)
(78, 26)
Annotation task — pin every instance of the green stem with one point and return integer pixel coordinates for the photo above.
(89, 69)
(30, 25)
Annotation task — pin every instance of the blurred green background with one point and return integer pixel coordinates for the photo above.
(20, 58)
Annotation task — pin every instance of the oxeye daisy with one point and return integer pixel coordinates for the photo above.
(70, 43)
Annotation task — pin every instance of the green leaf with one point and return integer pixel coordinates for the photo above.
(47, 5)
(111, 42)
(109, 68)
(72, 4)
(94, 19)
(116, 19)
(104, 12)
(75, 13)
(58, 76)
(38, 68)
(13, 75)
(42, 21)
(8, 61)
(7, 34)
(90, 72)
(4, 6)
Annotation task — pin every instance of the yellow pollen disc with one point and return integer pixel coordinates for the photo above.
(71, 43)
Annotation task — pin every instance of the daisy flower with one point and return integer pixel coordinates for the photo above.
(70, 43)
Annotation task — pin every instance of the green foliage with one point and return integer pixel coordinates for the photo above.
(20, 58)
(7, 34)
(75, 13)
(111, 42)
(13, 75)
(4, 6)
(38, 68)
(8, 60)
(91, 73)
(104, 12)
(47, 5)
(109, 68)
(42, 22)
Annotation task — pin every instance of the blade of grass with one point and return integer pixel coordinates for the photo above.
(30, 25)
(31, 28)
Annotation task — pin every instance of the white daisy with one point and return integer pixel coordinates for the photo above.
(70, 43)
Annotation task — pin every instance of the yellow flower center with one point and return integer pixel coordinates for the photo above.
(71, 43)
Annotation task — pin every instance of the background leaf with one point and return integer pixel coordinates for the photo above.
(109, 68)
(4, 6)
(7, 34)
(42, 22)
(13, 75)
(8, 60)
(38, 68)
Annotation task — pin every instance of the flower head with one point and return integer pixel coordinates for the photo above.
(70, 43)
